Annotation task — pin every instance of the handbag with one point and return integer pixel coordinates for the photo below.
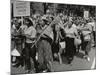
(15, 52)
(62, 44)
(87, 37)
(77, 41)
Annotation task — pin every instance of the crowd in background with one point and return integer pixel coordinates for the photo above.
(38, 40)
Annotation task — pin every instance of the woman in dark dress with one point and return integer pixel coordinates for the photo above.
(71, 33)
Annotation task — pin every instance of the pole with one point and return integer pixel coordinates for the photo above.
(56, 19)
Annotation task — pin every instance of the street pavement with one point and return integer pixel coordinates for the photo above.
(77, 64)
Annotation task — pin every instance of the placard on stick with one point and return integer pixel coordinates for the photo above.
(21, 8)
(86, 14)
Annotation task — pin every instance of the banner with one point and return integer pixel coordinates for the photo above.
(21, 8)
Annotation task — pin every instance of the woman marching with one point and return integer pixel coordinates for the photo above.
(44, 49)
(71, 34)
(30, 53)
(86, 40)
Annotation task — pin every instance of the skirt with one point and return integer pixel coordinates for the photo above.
(44, 53)
(70, 47)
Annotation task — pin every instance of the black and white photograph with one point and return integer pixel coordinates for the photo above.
(52, 37)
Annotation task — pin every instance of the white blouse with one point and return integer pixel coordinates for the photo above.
(31, 32)
(70, 32)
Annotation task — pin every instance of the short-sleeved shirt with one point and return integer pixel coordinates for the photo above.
(31, 31)
(70, 32)
(88, 29)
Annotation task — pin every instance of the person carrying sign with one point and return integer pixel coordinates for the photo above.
(45, 58)
(30, 53)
